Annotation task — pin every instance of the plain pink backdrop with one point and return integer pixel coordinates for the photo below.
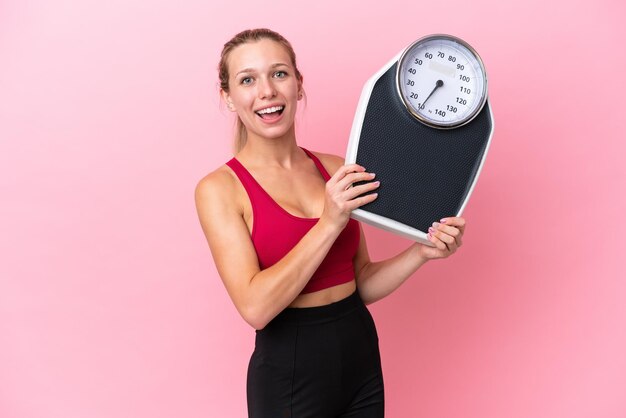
(110, 305)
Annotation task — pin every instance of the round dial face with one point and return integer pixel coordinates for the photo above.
(442, 81)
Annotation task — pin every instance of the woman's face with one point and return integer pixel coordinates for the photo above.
(264, 89)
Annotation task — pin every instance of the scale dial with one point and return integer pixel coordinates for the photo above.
(442, 81)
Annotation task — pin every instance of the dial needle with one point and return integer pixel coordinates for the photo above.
(437, 85)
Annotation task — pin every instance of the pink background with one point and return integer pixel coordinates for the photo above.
(110, 305)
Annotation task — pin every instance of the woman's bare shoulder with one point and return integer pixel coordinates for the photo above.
(331, 162)
(218, 186)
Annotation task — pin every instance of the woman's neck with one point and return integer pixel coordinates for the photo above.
(278, 152)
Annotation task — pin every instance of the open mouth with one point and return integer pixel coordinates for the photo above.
(270, 113)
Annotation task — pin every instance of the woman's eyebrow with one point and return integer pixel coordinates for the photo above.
(251, 70)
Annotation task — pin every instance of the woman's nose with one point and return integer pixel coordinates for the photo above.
(266, 89)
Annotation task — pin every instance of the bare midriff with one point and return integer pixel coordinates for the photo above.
(324, 296)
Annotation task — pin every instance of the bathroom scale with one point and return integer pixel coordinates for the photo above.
(423, 124)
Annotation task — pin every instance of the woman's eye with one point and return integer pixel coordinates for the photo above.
(246, 80)
(280, 74)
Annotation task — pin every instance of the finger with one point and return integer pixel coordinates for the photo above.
(438, 243)
(355, 191)
(348, 179)
(454, 221)
(448, 240)
(449, 230)
(347, 169)
(342, 172)
(360, 201)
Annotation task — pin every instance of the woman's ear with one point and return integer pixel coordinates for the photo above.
(227, 100)
(300, 88)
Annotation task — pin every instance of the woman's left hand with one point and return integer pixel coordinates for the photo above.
(446, 235)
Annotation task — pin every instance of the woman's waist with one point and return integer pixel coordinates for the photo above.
(324, 296)
(348, 301)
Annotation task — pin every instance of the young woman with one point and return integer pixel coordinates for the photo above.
(277, 220)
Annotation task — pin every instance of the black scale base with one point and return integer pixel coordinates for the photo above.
(425, 173)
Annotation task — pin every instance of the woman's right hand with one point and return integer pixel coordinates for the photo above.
(341, 197)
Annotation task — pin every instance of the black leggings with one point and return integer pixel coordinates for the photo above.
(318, 362)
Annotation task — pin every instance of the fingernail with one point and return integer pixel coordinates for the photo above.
(377, 183)
(431, 230)
(443, 221)
(435, 224)
(373, 174)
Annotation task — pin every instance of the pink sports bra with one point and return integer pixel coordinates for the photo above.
(275, 232)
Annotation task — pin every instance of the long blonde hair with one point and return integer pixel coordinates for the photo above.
(249, 35)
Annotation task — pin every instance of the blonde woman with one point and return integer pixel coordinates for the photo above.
(296, 266)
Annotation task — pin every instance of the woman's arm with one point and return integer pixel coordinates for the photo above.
(375, 280)
(259, 295)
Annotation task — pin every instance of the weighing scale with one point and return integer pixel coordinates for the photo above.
(423, 125)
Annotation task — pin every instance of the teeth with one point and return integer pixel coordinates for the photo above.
(270, 110)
